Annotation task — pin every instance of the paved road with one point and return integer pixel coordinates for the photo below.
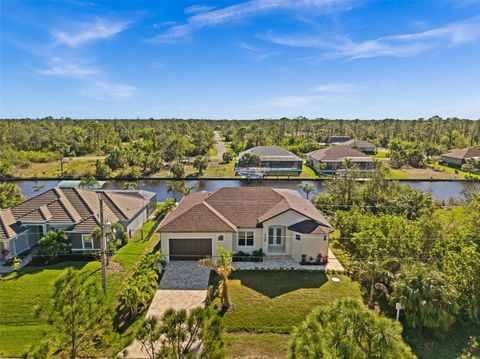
(220, 147)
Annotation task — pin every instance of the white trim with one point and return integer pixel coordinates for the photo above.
(83, 242)
(275, 236)
(246, 246)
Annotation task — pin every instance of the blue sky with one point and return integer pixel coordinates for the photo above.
(240, 59)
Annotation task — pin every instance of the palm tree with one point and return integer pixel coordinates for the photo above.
(200, 163)
(130, 185)
(186, 189)
(307, 188)
(37, 188)
(222, 265)
(174, 187)
(88, 182)
(373, 272)
(470, 165)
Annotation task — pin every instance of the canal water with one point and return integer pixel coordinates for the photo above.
(441, 189)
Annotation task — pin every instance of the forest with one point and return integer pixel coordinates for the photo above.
(142, 148)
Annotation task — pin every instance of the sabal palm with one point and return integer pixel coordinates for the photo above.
(174, 187)
(129, 185)
(88, 182)
(222, 265)
(307, 188)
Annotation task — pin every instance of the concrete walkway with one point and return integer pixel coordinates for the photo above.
(183, 286)
(288, 263)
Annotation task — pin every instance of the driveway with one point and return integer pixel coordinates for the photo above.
(183, 286)
(220, 147)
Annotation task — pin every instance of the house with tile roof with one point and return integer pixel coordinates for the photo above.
(274, 161)
(333, 158)
(75, 210)
(458, 156)
(278, 221)
(360, 145)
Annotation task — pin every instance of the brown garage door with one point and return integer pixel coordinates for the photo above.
(182, 249)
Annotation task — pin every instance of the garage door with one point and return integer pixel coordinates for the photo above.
(189, 249)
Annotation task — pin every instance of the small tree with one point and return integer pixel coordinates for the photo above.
(102, 171)
(222, 265)
(10, 195)
(200, 163)
(80, 317)
(347, 329)
(227, 157)
(177, 170)
(37, 188)
(307, 188)
(321, 167)
(174, 187)
(88, 181)
(470, 165)
(250, 160)
(179, 332)
(53, 243)
(129, 185)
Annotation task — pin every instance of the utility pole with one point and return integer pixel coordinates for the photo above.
(103, 246)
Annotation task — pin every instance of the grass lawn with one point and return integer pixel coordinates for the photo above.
(268, 304)
(20, 292)
(77, 168)
(380, 154)
(422, 174)
(454, 170)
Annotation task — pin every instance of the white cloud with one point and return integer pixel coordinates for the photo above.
(395, 45)
(104, 89)
(87, 32)
(59, 67)
(337, 88)
(256, 52)
(237, 12)
(195, 9)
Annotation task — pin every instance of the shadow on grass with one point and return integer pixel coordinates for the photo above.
(275, 283)
(30, 270)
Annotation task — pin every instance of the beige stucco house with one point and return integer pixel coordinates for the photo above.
(278, 221)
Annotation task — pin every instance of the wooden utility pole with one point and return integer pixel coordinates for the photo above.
(103, 246)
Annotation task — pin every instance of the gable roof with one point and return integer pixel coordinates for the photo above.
(80, 208)
(310, 227)
(463, 153)
(7, 221)
(229, 208)
(272, 153)
(358, 144)
(339, 153)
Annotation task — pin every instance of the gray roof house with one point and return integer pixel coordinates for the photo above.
(362, 146)
(75, 210)
(274, 161)
(247, 219)
(335, 140)
(457, 157)
(333, 158)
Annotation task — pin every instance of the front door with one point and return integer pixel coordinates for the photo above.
(276, 239)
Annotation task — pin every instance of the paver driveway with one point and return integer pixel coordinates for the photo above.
(185, 275)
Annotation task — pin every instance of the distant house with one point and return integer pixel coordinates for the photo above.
(274, 161)
(336, 140)
(333, 158)
(458, 157)
(279, 222)
(362, 146)
(75, 210)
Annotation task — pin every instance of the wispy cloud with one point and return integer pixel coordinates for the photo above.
(256, 52)
(59, 67)
(237, 12)
(337, 88)
(395, 45)
(100, 28)
(195, 9)
(104, 89)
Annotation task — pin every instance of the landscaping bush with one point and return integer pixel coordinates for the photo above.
(255, 256)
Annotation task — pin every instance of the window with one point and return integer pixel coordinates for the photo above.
(87, 241)
(298, 237)
(220, 238)
(324, 238)
(246, 238)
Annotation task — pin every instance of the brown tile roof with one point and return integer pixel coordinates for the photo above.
(6, 222)
(310, 227)
(81, 207)
(338, 153)
(226, 209)
(463, 153)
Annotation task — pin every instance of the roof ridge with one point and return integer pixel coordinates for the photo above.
(218, 214)
(35, 209)
(76, 190)
(114, 204)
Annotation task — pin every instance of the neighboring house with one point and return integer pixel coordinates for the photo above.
(274, 161)
(278, 221)
(458, 157)
(333, 158)
(75, 210)
(336, 140)
(362, 146)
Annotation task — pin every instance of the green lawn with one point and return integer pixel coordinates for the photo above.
(454, 170)
(20, 292)
(251, 345)
(397, 174)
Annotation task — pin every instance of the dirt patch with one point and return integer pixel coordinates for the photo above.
(429, 173)
(114, 267)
